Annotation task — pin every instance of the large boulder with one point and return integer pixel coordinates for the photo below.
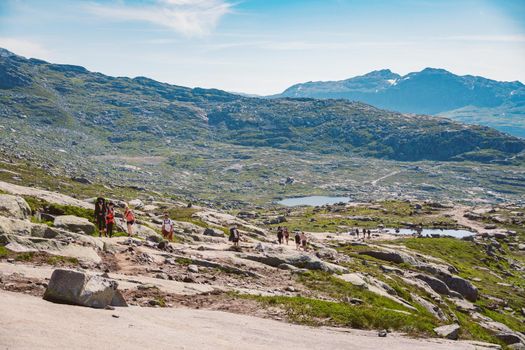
(450, 331)
(392, 256)
(76, 288)
(74, 224)
(436, 284)
(460, 285)
(14, 207)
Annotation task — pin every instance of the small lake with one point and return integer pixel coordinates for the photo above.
(312, 201)
(430, 232)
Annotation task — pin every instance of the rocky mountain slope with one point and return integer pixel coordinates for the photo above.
(128, 113)
(469, 99)
(470, 289)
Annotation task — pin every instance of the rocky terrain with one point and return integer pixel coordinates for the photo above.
(468, 99)
(443, 292)
(233, 151)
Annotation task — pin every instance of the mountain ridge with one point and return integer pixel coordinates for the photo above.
(432, 91)
(71, 96)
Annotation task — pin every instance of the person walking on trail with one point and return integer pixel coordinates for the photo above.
(235, 236)
(129, 217)
(297, 240)
(304, 241)
(167, 227)
(357, 232)
(368, 232)
(100, 215)
(110, 219)
(286, 234)
(280, 234)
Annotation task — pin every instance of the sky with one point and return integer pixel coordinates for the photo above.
(264, 46)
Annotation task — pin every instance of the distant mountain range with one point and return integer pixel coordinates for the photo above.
(140, 114)
(469, 99)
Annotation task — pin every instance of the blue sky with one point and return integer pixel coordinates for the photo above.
(264, 46)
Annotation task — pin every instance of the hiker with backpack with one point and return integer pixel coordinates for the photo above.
(297, 240)
(167, 227)
(280, 234)
(110, 219)
(129, 217)
(286, 234)
(235, 236)
(100, 215)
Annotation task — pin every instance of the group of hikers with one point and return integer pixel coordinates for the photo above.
(301, 240)
(365, 232)
(105, 220)
(105, 217)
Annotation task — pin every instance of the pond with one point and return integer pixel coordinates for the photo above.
(430, 232)
(312, 201)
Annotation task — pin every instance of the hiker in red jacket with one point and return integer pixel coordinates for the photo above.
(110, 218)
(129, 217)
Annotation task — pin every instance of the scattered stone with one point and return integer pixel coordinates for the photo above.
(382, 333)
(136, 203)
(449, 331)
(115, 316)
(213, 232)
(189, 279)
(82, 180)
(193, 268)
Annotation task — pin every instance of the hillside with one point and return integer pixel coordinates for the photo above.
(123, 112)
(468, 99)
(216, 147)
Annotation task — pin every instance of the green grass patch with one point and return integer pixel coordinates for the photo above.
(25, 256)
(183, 261)
(318, 312)
(4, 252)
(58, 259)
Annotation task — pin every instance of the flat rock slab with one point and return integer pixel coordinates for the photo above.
(51, 197)
(55, 326)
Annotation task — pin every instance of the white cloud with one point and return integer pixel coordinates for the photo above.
(24, 47)
(188, 17)
(488, 38)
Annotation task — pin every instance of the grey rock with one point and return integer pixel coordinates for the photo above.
(14, 207)
(449, 331)
(193, 268)
(74, 224)
(297, 259)
(76, 288)
(508, 337)
(136, 203)
(395, 257)
(460, 285)
(436, 284)
(213, 232)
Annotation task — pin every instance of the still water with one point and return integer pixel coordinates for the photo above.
(312, 201)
